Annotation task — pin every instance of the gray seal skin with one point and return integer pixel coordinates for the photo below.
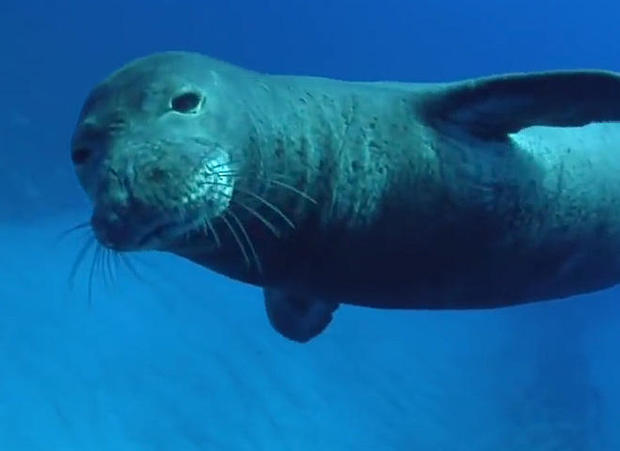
(476, 194)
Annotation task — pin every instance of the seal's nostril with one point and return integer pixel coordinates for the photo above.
(80, 155)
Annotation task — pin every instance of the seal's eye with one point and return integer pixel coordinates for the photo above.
(80, 155)
(186, 102)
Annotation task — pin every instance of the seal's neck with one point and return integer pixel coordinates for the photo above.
(330, 138)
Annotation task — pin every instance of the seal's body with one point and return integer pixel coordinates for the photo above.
(476, 194)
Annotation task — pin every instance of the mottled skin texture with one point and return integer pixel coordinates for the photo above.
(405, 195)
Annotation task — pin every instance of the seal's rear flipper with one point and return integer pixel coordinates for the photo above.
(491, 108)
(297, 317)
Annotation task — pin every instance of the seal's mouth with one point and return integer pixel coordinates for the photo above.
(155, 235)
(152, 214)
(162, 235)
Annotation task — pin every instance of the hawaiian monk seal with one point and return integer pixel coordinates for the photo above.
(388, 195)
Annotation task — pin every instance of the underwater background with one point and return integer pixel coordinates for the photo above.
(182, 359)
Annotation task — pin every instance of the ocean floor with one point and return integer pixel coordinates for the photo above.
(182, 359)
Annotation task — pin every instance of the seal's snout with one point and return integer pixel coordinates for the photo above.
(149, 200)
(110, 230)
(129, 226)
(115, 214)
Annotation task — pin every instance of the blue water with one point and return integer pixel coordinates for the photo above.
(182, 359)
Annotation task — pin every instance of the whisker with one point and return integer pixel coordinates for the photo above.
(216, 237)
(257, 174)
(237, 239)
(244, 232)
(270, 205)
(105, 262)
(219, 165)
(274, 181)
(260, 217)
(263, 200)
(107, 253)
(293, 189)
(80, 259)
(101, 267)
(93, 269)
(115, 264)
(75, 228)
(125, 260)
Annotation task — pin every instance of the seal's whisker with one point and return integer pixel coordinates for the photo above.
(237, 239)
(293, 189)
(273, 180)
(69, 231)
(260, 217)
(109, 263)
(105, 262)
(262, 200)
(208, 227)
(257, 176)
(244, 232)
(88, 244)
(91, 275)
(214, 168)
(103, 267)
(255, 173)
(125, 260)
(269, 205)
(115, 264)
(114, 257)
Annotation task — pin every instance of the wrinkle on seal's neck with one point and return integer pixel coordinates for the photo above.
(318, 134)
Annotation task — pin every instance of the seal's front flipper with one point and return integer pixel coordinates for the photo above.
(491, 108)
(297, 317)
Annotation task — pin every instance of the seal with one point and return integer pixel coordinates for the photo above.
(475, 194)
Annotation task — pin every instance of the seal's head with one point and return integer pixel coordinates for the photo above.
(157, 146)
